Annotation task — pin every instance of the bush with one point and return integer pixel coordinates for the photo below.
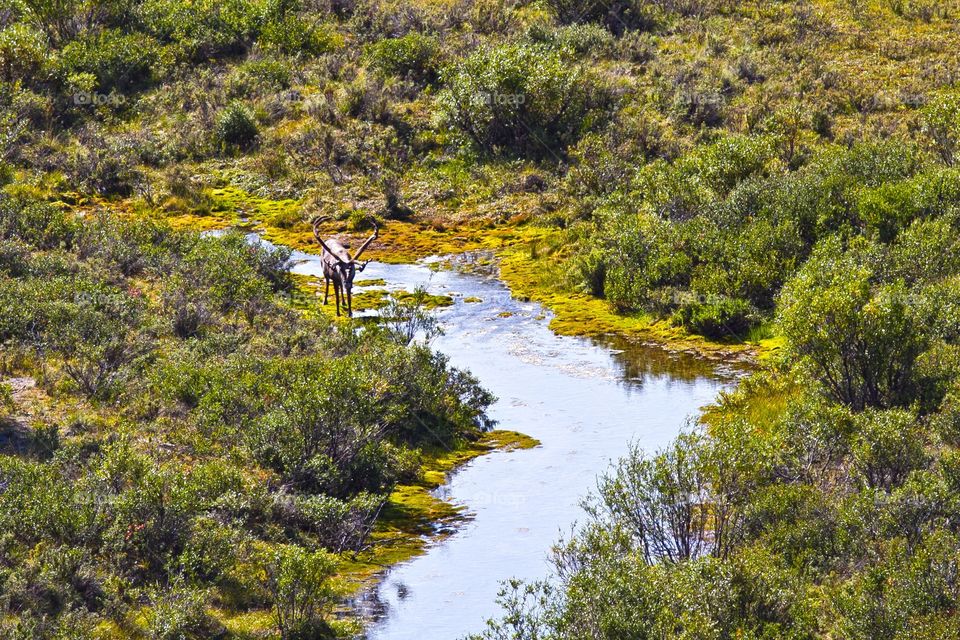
(299, 582)
(524, 99)
(940, 122)
(108, 167)
(861, 340)
(118, 61)
(179, 613)
(40, 224)
(23, 53)
(294, 35)
(617, 15)
(204, 28)
(726, 318)
(578, 39)
(236, 127)
(97, 335)
(414, 55)
(889, 445)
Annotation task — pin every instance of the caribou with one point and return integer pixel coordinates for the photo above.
(339, 267)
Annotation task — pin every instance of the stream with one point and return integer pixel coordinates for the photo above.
(586, 400)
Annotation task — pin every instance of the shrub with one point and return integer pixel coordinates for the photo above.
(861, 340)
(204, 28)
(888, 446)
(414, 55)
(179, 613)
(7, 403)
(294, 35)
(299, 582)
(97, 335)
(40, 224)
(259, 76)
(525, 99)
(236, 127)
(726, 318)
(118, 61)
(14, 258)
(22, 53)
(108, 167)
(940, 122)
(578, 39)
(617, 15)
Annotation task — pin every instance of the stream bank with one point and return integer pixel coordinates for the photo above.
(585, 400)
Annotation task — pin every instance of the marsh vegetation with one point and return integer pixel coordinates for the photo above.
(192, 447)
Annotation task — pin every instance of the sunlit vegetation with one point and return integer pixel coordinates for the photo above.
(190, 448)
(190, 440)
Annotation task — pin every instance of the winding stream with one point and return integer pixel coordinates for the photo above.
(585, 400)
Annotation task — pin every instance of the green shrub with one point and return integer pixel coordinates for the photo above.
(259, 76)
(118, 61)
(888, 446)
(862, 341)
(295, 35)
(236, 127)
(204, 28)
(23, 53)
(523, 99)
(36, 223)
(940, 122)
(725, 318)
(618, 15)
(579, 39)
(414, 55)
(14, 257)
(299, 582)
(179, 613)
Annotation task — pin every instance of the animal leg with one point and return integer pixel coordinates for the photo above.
(349, 303)
(326, 291)
(336, 294)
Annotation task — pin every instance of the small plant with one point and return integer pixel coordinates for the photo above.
(726, 318)
(299, 582)
(179, 613)
(414, 55)
(236, 127)
(940, 122)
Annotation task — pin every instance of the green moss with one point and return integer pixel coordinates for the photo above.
(414, 516)
(428, 300)
(472, 300)
(532, 275)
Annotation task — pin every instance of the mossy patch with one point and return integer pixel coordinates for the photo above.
(427, 300)
(472, 300)
(532, 275)
(414, 516)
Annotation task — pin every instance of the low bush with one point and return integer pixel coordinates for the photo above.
(520, 99)
(727, 318)
(236, 127)
(415, 55)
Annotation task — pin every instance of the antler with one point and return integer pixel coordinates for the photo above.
(316, 234)
(366, 243)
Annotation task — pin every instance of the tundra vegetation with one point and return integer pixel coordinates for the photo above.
(189, 448)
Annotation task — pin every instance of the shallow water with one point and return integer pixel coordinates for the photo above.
(585, 400)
